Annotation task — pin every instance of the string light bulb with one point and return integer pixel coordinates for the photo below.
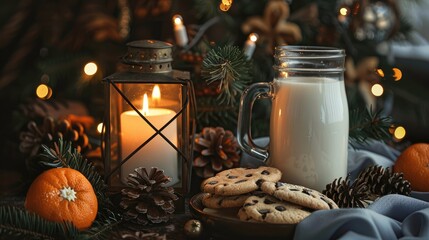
(250, 45)
(180, 31)
(377, 90)
(90, 68)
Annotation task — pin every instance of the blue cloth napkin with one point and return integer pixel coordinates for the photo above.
(390, 217)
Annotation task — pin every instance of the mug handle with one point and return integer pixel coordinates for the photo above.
(253, 92)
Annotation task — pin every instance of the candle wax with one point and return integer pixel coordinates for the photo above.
(180, 34)
(156, 153)
(249, 48)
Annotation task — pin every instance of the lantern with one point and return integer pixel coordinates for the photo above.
(149, 120)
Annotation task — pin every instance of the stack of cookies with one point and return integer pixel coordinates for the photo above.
(260, 197)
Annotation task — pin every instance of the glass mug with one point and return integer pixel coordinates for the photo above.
(309, 120)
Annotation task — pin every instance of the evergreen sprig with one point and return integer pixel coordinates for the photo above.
(366, 124)
(17, 223)
(103, 226)
(229, 68)
(209, 112)
(64, 155)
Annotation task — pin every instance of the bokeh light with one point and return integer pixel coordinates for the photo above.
(224, 7)
(397, 74)
(343, 11)
(377, 90)
(43, 91)
(399, 133)
(90, 68)
(380, 72)
(100, 127)
(227, 2)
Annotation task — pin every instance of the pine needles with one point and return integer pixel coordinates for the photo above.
(15, 222)
(229, 68)
(366, 124)
(20, 224)
(64, 155)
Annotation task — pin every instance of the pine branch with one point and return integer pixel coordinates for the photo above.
(229, 68)
(209, 112)
(57, 155)
(64, 155)
(15, 222)
(20, 224)
(102, 228)
(366, 124)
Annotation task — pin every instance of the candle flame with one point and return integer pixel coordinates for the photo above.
(145, 109)
(253, 37)
(156, 93)
(177, 19)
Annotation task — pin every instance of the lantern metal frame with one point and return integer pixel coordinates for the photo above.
(149, 62)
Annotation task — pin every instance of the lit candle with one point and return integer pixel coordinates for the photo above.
(250, 45)
(180, 31)
(157, 152)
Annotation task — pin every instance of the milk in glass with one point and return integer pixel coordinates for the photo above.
(309, 130)
(309, 116)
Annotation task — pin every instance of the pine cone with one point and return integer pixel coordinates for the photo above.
(371, 183)
(346, 195)
(216, 150)
(146, 199)
(382, 181)
(50, 131)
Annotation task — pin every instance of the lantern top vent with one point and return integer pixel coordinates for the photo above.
(149, 56)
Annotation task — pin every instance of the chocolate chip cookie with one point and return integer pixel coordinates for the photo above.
(299, 195)
(237, 181)
(272, 210)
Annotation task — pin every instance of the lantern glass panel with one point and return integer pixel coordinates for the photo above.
(134, 139)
